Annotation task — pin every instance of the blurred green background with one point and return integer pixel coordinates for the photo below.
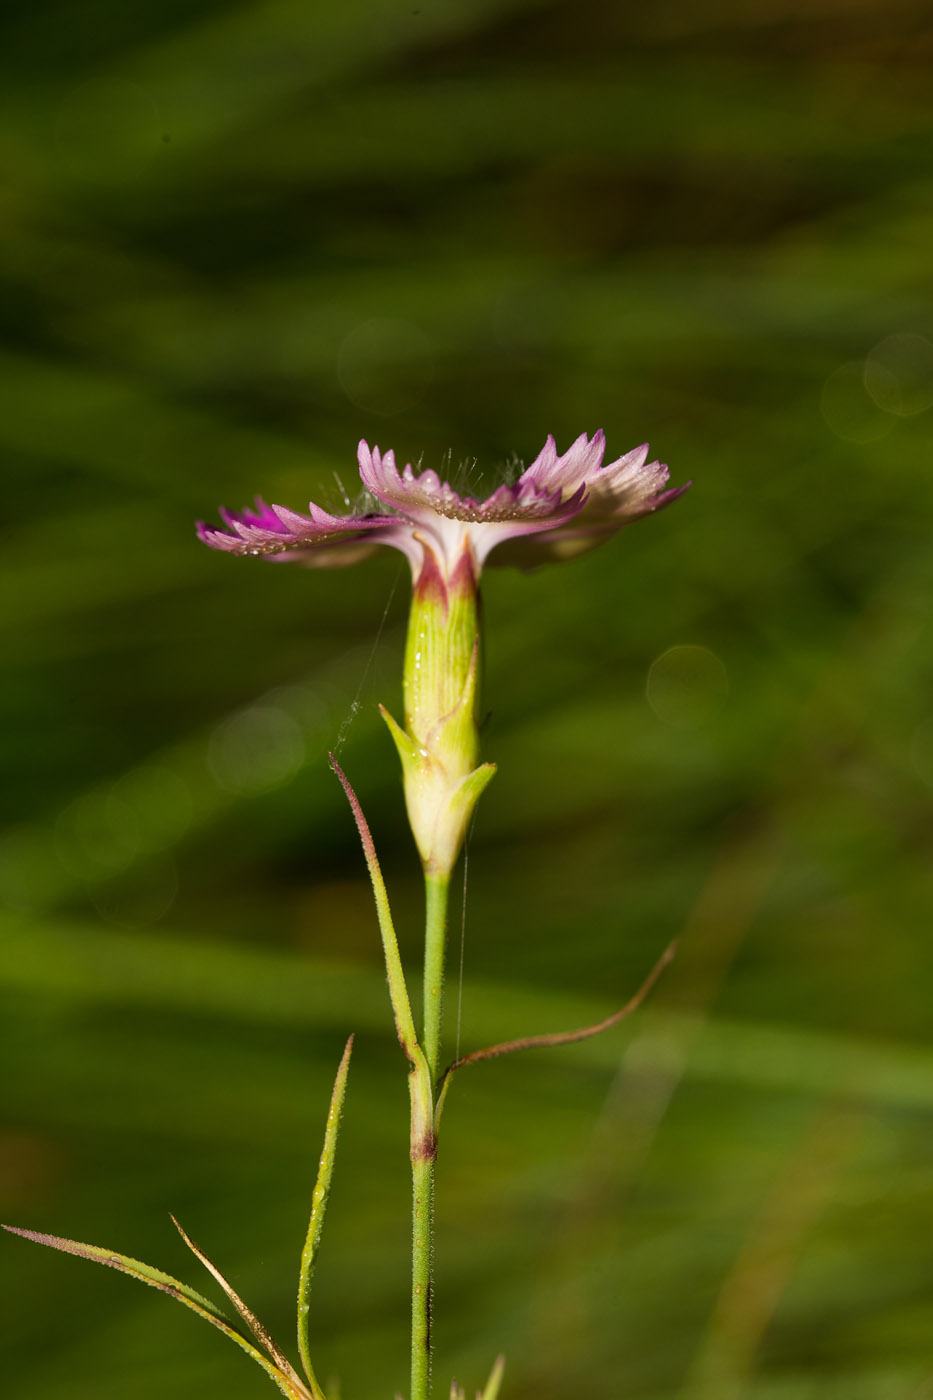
(236, 237)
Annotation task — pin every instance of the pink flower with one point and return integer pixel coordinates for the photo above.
(558, 507)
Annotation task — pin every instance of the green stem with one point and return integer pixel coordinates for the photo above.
(436, 890)
(423, 1139)
(423, 1154)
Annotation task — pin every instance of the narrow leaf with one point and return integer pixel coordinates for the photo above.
(318, 1208)
(557, 1038)
(134, 1267)
(398, 990)
(145, 1273)
(495, 1381)
(282, 1363)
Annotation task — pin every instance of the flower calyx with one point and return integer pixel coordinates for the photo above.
(439, 745)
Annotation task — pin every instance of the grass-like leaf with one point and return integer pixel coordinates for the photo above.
(495, 1381)
(491, 1390)
(282, 1364)
(288, 1383)
(318, 1208)
(557, 1038)
(398, 990)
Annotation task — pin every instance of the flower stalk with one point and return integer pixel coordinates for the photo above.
(437, 889)
(423, 1158)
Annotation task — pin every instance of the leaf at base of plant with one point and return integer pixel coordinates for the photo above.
(155, 1278)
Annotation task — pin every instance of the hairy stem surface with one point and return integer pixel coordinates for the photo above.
(423, 1139)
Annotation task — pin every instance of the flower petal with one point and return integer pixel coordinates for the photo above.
(569, 502)
(276, 530)
(579, 535)
(628, 488)
(621, 490)
(445, 519)
(569, 472)
(616, 493)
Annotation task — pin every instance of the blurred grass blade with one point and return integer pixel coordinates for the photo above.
(495, 1381)
(283, 1366)
(166, 1284)
(318, 1208)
